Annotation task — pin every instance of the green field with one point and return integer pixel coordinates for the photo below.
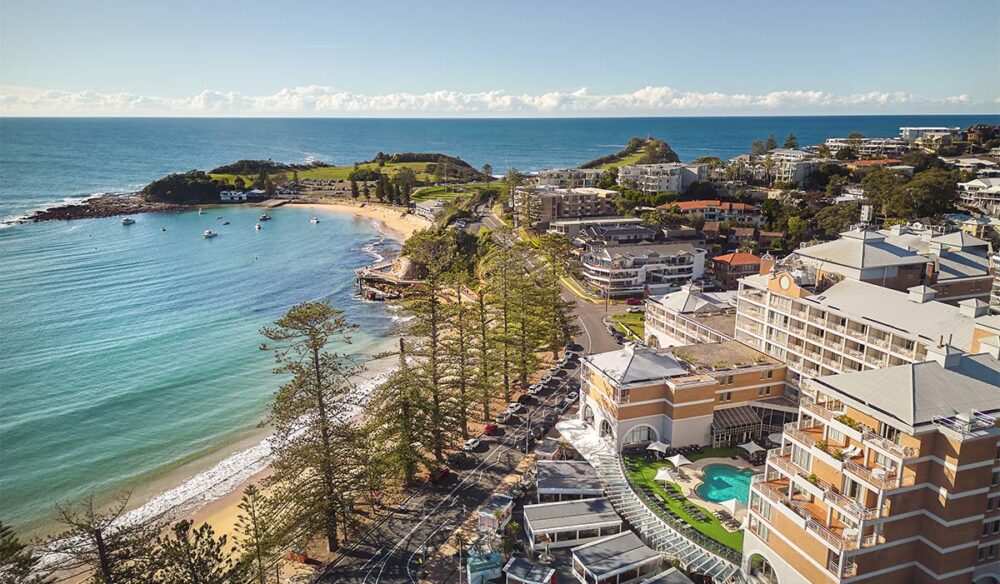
(451, 191)
(640, 471)
(340, 172)
(634, 322)
(630, 159)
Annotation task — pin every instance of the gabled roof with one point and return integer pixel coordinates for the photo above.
(634, 365)
(959, 239)
(692, 299)
(565, 514)
(918, 393)
(613, 553)
(861, 249)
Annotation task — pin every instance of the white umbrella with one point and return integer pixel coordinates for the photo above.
(657, 446)
(678, 460)
(751, 447)
(774, 438)
(734, 506)
(664, 474)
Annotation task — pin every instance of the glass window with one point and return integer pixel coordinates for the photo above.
(801, 457)
(640, 434)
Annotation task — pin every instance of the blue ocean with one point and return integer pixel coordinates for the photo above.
(131, 352)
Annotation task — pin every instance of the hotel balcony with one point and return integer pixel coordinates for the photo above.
(838, 535)
(856, 334)
(752, 295)
(782, 460)
(886, 445)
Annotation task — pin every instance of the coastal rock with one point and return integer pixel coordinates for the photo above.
(103, 206)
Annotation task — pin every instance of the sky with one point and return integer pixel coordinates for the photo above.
(509, 59)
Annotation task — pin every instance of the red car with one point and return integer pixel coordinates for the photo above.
(439, 475)
(490, 429)
(634, 302)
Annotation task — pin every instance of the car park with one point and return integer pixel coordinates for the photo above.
(490, 429)
(471, 444)
(515, 408)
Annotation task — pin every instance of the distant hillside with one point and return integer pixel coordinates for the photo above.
(637, 151)
(456, 168)
(259, 166)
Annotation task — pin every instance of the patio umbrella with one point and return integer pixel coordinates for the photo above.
(734, 506)
(657, 446)
(751, 447)
(774, 438)
(678, 460)
(664, 474)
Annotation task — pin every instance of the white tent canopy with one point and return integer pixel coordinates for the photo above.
(751, 447)
(665, 474)
(774, 438)
(657, 446)
(678, 460)
(734, 506)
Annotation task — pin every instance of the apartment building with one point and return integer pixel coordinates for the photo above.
(869, 147)
(572, 227)
(548, 204)
(910, 134)
(823, 325)
(618, 235)
(632, 270)
(889, 475)
(690, 315)
(570, 178)
(960, 262)
(660, 178)
(716, 210)
(717, 394)
(789, 155)
(995, 290)
(795, 172)
(981, 193)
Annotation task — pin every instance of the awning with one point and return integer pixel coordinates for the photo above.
(665, 474)
(678, 460)
(751, 447)
(738, 417)
(658, 446)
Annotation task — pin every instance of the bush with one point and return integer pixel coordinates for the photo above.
(194, 186)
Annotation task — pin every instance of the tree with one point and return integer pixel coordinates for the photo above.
(556, 314)
(771, 143)
(929, 193)
(117, 552)
(700, 190)
(17, 564)
(365, 191)
(257, 537)
(757, 148)
(240, 184)
(393, 419)
(355, 193)
(880, 188)
(528, 206)
(769, 165)
(846, 153)
(823, 151)
(487, 171)
(832, 220)
(186, 556)
(609, 179)
(513, 179)
(405, 180)
(308, 415)
(796, 231)
(791, 141)
(457, 348)
(268, 186)
(711, 161)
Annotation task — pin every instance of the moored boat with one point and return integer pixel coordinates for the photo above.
(127, 221)
(209, 234)
(314, 220)
(256, 226)
(265, 217)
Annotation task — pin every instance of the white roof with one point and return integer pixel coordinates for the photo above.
(861, 249)
(691, 299)
(960, 239)
(634, 365)
(917, 393)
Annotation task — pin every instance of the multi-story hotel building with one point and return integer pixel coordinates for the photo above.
(889, 475)
(570, 178)
(716, 210)
(713, 393)
(820, 324)
(549, 203)
(631, 270)
(660, 178)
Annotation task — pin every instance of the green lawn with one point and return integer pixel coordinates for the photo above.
(634, 322)
(630, 159)
(341, 172)
(645, 472)
(451, 191)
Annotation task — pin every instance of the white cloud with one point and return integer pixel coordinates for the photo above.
(316, 100)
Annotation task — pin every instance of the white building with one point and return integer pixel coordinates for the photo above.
(660, 178)
(795, 171)
(234, 196)
(913, 133)
(982, 193)
(869, 147)
(630, 270)
(690, 315)
(570, 178)
(789, 155)
(429, 209)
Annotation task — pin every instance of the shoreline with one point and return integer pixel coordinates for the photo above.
(391, 221)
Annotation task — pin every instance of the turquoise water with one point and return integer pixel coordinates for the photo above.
(723, 482)
(129, 350)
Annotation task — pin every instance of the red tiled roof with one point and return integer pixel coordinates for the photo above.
(740, 258)
(708, 203)
(878, 162)
(743, 231)
(711, 226)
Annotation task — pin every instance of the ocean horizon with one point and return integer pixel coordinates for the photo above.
(132, 351)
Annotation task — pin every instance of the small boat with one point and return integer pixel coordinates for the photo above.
(163, 228)
(256, 226)
(219, 217)
(209, 234)
(265, 217)
(127, 221)
(201, 211)
(226, 223)
(314, 220)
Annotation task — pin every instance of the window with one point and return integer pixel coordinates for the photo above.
(759, 528)
(995, 479)
(726, 396)
(729, 380)
(640, 434)
(992, 553)
(834, 435)
(991, 527)
(801, 457)
(762, 391)
(992, 503)
(888, 432)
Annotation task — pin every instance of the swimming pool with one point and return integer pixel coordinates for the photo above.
(723, 482)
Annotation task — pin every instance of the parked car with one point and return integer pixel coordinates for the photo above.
(635, 302)
(562, 406)
(634, 310)
(523, 399)
(515, 408)
(562, 362)
(438, 475)
(549, 419)
(537, 432)
(471, 444)
(571, 396)
(457, 457)
(490, 429)
(503, 417)
(545, 379)
(525, 445)
(534, 389)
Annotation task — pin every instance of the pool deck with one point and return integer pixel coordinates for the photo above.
(693, 475)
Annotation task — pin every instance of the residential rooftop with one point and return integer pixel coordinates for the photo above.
(692, 298)
(740, 258)
(861, 249)
(633, 364)
(643, 251)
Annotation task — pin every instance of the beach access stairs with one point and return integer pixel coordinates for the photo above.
(379, 282)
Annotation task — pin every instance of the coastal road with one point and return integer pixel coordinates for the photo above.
(392, 551)
(593, 335)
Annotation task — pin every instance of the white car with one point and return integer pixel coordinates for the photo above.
(534, 389)
(571, 396)
(471, 444)
(514, 407)
(545, 379)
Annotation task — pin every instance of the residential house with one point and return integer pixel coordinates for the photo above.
(429, 209)
(981, 193)
(730, 267)
(716, 210)
(911, 133)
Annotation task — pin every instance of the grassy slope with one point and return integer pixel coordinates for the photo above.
(450, 192)
(711, 528)
(341, 172)
(635, 322)
(630, 159)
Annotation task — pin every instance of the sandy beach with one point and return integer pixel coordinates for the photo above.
(393, 221)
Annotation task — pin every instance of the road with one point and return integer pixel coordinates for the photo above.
(391, 552)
